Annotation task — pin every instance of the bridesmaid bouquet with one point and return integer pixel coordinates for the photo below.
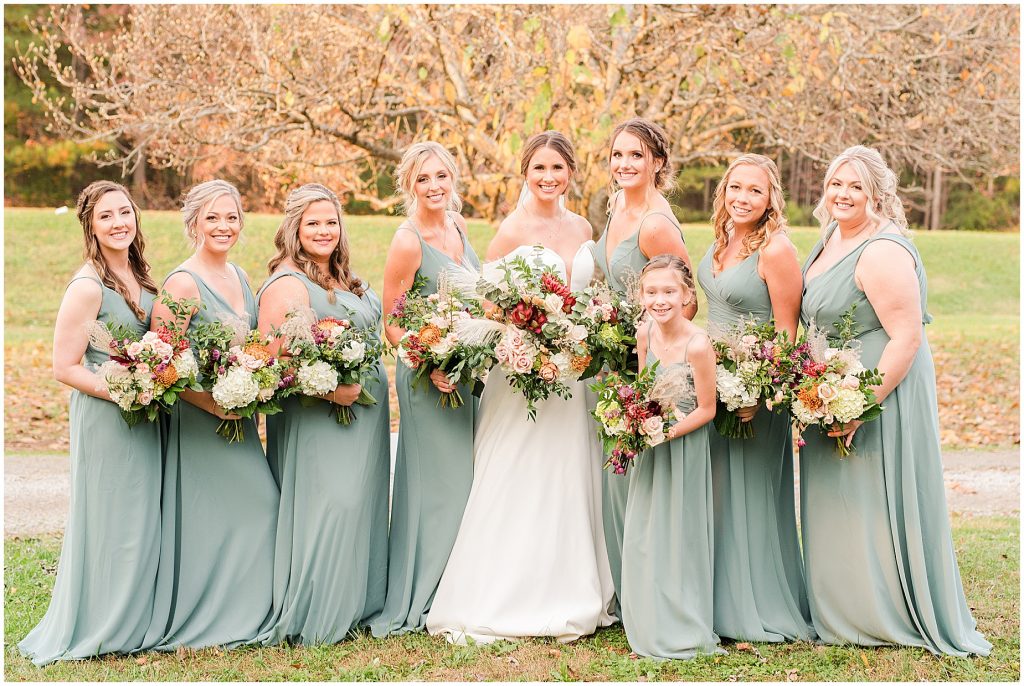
(241, 373)
(327, 352)
(432, 342)
(146, 374)
(611, 320)
(755, 363)
(536, 339)
(833, 387)
(634, 416)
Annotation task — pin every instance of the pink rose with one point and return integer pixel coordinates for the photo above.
(827, 393)
(850, 382)
(145, 398)
(653, 427)
(521, 364)
(548, 372)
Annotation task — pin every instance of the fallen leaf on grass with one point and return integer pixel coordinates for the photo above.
(554, 653)
(744, 646)
(791, 674)
(142, 660)
(864, 659)
(634, 656)
(512, 661)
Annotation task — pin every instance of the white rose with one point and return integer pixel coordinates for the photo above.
(145, 398)
(850, 382)
(266, 394)
(578, 332)
(444, 346)
(150, 337)
(135, 349)
(163, 350)
(249, 362)
(553, 303)
(353, 351)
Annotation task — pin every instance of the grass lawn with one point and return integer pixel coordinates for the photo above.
(988, 550)
(973, 296)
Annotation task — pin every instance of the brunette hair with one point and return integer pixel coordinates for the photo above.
(85, 207)
(880, 185)
(654, 142)
(286, 240)
(677, 265)
(410, 166)
(771, 222)
(549, 139)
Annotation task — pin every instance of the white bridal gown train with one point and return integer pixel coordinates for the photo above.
(530, 557)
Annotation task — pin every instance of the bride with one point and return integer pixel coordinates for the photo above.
(530, 557)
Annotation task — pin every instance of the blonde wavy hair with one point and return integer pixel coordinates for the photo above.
(409, 168)
(286, 240)
(198, 198)
(85, 208)
(773, 220)
(880, 185)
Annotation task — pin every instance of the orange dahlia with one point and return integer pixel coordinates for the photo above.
(167, 377)
(429, 335)
(809, 398)
(328, 323)
(257, 350)
(580, 363)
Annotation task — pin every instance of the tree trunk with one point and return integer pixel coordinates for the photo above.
(139, 185)
(935, 210)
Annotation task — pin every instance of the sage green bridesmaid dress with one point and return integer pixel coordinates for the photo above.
(433, 476)
(760, 594)
(219, 517)
(668, 547)
(331, 556)
(627, 259)
(881, 568)
(103, 597)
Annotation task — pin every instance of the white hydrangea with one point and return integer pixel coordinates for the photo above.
(802, 414)
(731, 389)
(185, 364)
(119, 383)
(237, 388)
(847, 406)
(316, 378)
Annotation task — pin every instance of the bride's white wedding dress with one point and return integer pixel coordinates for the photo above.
(530, 557)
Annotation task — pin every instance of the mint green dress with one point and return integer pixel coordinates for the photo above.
(219, 516)
(103, 596)
(331, 557)
(627, 259)
(881, 568)
(760, 594)
(668, 547)
(433, 476)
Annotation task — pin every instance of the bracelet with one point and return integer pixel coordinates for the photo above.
(334, 395)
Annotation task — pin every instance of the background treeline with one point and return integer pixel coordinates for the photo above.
(269, 97)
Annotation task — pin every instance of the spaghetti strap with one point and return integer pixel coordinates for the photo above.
(686, 350)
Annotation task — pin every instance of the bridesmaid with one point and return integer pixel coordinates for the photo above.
(103, 597)
(219, 498)
(330, 562)
(434, 463)
(881, 568)
(751, 270)
(668, 546)
(640, 224)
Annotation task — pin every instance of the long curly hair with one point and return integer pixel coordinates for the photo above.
(85, 207)
(880, 185)
(771, 222)
(286, 240)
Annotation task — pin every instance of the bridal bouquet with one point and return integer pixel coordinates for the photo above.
(536, 339)
(328, 352)
(241, 373)
(611, 320)
(431, 340)
(833, 386)
(146, 374)
(633, 417)
(755, 363)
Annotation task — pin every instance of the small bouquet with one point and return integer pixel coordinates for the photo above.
(535, 338)
(431, 340)
(611, 320)
(633, 417)
(146, 374)
(755, 363)
(241, 373)
(328, 352)
(833, 386)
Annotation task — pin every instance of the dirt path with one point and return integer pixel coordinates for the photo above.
(36, 488)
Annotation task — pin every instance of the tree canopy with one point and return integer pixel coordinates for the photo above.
(335, 93)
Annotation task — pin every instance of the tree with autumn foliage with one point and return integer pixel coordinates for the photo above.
(335, 93)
